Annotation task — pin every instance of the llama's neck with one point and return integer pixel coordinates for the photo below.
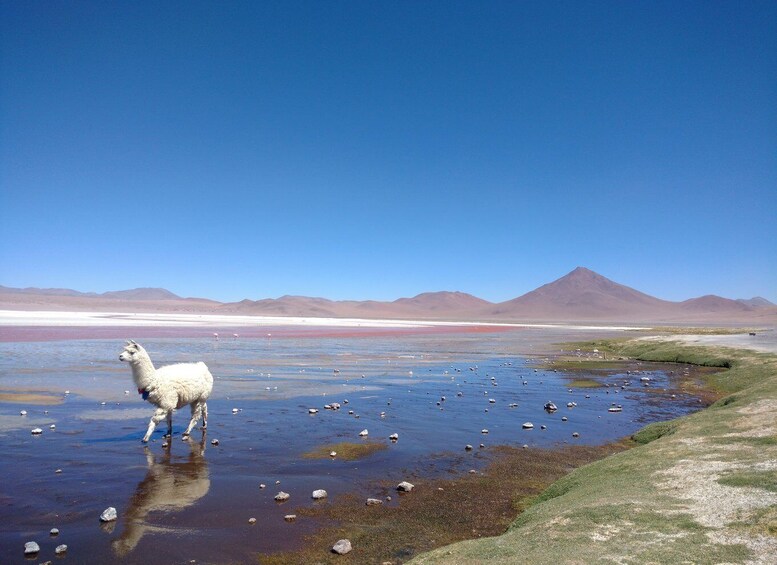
(143, 372)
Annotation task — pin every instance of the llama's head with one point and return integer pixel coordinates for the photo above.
(131, 352)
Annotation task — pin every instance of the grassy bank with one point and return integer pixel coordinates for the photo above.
(700, 489)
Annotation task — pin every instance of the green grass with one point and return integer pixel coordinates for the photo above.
(584, 383)
(645, 505)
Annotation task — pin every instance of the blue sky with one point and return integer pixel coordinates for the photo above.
(382, 149)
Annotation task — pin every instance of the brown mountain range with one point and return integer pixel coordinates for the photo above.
(579, 296)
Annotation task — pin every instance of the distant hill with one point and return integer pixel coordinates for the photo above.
(756, 302)
(579, 296)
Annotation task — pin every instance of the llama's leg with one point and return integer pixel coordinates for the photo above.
(169, 424)
(204, 415)
(159, 415)
(196, 411)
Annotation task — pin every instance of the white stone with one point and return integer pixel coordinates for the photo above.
(53, 427)
(252, 520)
(332, 454)
(527, 426)
(319, 494)
(54, 532)
(312, 410)
(31, 548)
(364, 433)
(394, 437)
(484, 431)
(281, 496)
(23, 413)
(235, 410)
(60, 549)
(109, 514)
(342, 547)
(404, 486)
(374, 501)
(36, 431)
(290, 517)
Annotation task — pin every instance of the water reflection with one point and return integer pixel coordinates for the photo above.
(169, 486)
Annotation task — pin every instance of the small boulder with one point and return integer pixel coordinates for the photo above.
(60, 549)
(36, 431)
(290, 517)
(374, 502)
(252, 520)
(108, 515)
(312, 410)
(404, 486)
(364, 433)
(31, 548)
(54, 532)
(282, 496)
(527, 426)
(342, 547)
(319, 494)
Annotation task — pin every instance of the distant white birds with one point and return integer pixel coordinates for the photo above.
(215, 335)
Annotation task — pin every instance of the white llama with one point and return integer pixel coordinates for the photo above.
(169, 388)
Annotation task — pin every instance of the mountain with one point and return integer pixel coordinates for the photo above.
(756, 302)
(579, 296)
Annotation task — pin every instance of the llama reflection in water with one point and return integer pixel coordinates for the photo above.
(169, 486)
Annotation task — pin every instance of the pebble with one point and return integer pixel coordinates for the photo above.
(108, 515)
(54, 532)
(484, 431)
(374, 501)
(404, 486)
(281, 496)
(364, 433)
(262, 485)
(543, 427)
(252, 520)
(319, 494)
(564, 419)
(235, 410)
(36, 431)
(332, 454)
(527, 426)
(290, 517)
(312, 410)
(58, 471)
(342, 547)
(394, 437)
(214, 442)
(53, 427)
(575, 434)
(31, 548)
(60, 549)
(23, 413)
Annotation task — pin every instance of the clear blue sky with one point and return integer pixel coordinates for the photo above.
(382, 149)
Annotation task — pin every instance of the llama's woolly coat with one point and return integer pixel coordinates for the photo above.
(170, 387)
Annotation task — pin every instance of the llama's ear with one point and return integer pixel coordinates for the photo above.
(132, 341)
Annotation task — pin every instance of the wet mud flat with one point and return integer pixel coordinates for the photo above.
(193, 500)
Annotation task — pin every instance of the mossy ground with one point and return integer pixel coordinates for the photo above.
(347, 451)
(701, 489)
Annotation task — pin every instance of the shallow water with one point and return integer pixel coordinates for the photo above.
(192, 500)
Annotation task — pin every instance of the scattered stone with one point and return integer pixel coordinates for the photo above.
(235, 410)
(404, 486)
(550, 407)
(36, 431)
(364, 433)
(374, 502)
(543, 427)
(319, 494)
(214, 442)
(54, 532)
(575, 434)
(482, 445)
(23, 413)
(31, 548)
(615, 409)
(527, 426)
(282, 496)
(525, 446)
(290, 517)
(165, 444)
(332, 454)
(472, 471)
(60, 549)
(262, 485)
(58, 471)
(252, 520)
(564, 418)
(394, 437)
(342, 547)
(484, 431)
(491, 401)
(108, 515)
(468, 447)
(312, 410)
(53, 427)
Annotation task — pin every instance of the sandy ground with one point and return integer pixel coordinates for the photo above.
(764, 342)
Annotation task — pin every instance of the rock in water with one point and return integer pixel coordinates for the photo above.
(319, 494)
(281, 496)
(60, 549)
(527, 426)
(342, 547)
(54, 532)
(36, 431)
(374, 502)
(404, 486)
(364, 433)
(109, 514)
(31, 548)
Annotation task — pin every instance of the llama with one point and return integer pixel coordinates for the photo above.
(169, 388)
